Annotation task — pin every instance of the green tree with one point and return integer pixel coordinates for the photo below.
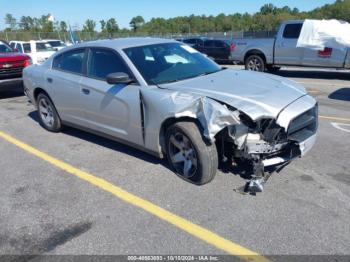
(111, 26)
(11, 22)
(89, 26)
(26, 23)
(44, 23)
(63, 26)
(103, 25)
(137, 22)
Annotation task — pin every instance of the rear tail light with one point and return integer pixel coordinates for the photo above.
(326, 52)
(232, 47)
(27, 62)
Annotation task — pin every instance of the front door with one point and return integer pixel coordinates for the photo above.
(286, 50)
(111, 109)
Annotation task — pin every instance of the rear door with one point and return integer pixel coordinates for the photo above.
(112, 109)
(63, 85)
(286, 50)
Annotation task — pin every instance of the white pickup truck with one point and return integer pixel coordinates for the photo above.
(39, 51)
(272, 53)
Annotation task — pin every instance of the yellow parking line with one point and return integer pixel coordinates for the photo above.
(335, 118)
(191, 228)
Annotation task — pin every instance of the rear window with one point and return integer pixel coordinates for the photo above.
(292, 31)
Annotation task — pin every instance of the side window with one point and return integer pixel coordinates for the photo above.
(219, 44)
(13, 45)
(292, 31)
(71, 61)
(26, 48)
(209, 43)
(104, 62)
(19, 47)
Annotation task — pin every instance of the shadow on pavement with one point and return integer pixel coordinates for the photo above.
(11, 94)
(313, 74)
(341, 94)
(108, 143)
(242, 169)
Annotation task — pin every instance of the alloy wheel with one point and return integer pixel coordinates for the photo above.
(183, 155)
(46, 112)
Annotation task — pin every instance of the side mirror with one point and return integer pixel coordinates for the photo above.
(15, 50)
(119, 78)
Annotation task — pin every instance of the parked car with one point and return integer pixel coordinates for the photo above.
(39, 51)
(217, 49)
(168, 99)
(272, 53)
(56, 44)
(11, 67)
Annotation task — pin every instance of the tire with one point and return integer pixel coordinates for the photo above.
(255, 63)
(189, 156)
(48, 116)
(273, 69)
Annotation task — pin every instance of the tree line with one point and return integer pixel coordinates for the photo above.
(267, 19)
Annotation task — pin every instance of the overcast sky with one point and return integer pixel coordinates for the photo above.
(77, 11)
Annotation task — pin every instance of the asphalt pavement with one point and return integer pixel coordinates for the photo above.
(44, 209)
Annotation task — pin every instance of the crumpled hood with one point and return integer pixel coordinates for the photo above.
(256, 94)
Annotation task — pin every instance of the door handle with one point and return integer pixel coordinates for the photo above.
(49, 79)
(85, 91)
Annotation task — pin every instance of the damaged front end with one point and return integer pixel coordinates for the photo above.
(243, 131)
(267, 146)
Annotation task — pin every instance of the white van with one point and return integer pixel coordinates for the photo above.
(39, 51)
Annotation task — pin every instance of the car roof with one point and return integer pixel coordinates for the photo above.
(122, 43)
(27, 42)
(293, 21)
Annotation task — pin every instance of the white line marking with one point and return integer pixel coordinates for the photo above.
(338, 126)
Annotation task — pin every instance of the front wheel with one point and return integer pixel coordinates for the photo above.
(189, 155)
(255, 63)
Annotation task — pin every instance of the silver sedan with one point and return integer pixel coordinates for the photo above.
(166, 98)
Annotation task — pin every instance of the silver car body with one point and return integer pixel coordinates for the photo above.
(283, 51)
(137, 114)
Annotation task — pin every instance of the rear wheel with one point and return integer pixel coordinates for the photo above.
(48, 115)
(255, 63)
(189, 156)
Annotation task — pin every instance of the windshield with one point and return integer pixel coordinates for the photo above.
(56, 43)
(42, 47)
(170, 62)
(5, 48)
